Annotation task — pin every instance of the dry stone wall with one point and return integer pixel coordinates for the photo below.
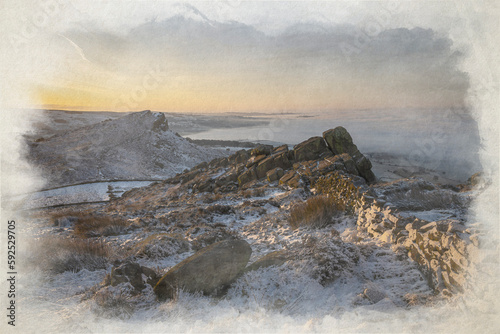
(443, 249)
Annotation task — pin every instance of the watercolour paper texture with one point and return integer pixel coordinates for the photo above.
(249, 166)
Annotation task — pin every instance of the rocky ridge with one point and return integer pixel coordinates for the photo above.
(303, 165)
(133, 147)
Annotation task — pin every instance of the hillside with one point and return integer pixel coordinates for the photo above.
(136, 146)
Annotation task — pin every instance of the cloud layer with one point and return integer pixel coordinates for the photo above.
(189, 62)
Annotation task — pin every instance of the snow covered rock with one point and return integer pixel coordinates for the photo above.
(133, 273)
(208, 270)
(374, 294)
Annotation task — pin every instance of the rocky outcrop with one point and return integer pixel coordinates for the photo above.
(241, 156)
(301, 166)
(308, 172)
(161, 122)
(247, 176)
(339, 141)
(277, 160)
(208, 271)
(292, 179)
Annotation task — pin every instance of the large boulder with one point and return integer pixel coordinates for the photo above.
(228, 177)
(275, 174)
(349, 163)
(262, 150)
(203, 184)
(208, 271)
(247, 176)
(339, 141)
(255, 159)
(271, 162)
(265, 166)
(280, 149)
(291, 179)
(312, 149)
(282, 160)
(240, 157)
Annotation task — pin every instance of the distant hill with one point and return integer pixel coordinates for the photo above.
(136, 146)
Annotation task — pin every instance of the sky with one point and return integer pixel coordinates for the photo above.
(233, 56)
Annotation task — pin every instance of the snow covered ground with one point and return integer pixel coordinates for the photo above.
(137, 146)
(275, 299)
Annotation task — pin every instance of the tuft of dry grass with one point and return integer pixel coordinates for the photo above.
(65, 218)
(160, 245)
(114, 303)
(318, 211)
(99, 225)
(87, 224)
(60, 255)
